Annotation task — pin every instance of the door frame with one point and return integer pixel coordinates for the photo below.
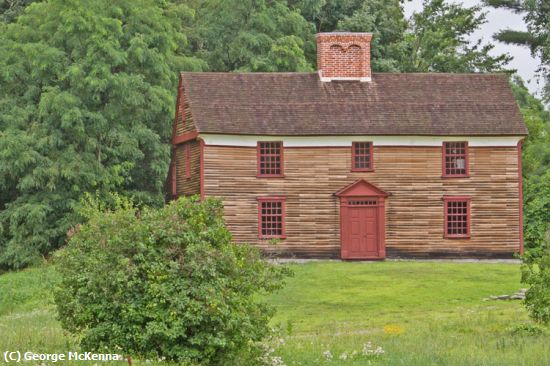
(361, 190)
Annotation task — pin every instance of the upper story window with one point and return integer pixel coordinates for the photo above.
(457, 217)
(271, 217)
(270, 159)
(361, 156)
(455, 159)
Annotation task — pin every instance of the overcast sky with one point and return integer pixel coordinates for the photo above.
(498, 19)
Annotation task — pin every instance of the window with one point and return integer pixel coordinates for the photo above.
(188, 160)
(457, 217)
(361, 156)
(270, 159)
(271, 217)
(455, 159)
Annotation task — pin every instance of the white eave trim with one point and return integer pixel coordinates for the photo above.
(343, 141)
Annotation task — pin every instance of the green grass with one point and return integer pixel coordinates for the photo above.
(339, 307)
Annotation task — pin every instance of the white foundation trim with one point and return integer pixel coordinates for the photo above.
(342, 141)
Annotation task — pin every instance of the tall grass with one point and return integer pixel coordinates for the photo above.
(418, 313)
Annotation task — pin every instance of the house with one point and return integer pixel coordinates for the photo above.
(350, 164)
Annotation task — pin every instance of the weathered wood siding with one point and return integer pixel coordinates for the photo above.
(187, 186)
(184, 120)
(414, 211)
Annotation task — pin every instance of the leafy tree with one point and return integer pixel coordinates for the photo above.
(536, 273)
(86, 95)
(435, 39)
(326, 14)
(252, 35)
(11, 9)
(536, 14)
(385, 20)
(165, 283)
(438, 40)
(536, 172)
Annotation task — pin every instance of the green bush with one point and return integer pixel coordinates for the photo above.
(165, 283)
(536, 213)
(536, 273)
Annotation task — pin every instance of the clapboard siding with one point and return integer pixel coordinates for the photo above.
(188, 186)
(184, 120)
(414, 211)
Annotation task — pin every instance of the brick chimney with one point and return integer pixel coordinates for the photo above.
(343, 56)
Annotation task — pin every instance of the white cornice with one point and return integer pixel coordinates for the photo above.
(343, 141)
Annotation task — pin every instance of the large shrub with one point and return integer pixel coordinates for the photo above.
(165, 283)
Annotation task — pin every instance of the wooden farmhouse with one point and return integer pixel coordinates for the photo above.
(345, 163)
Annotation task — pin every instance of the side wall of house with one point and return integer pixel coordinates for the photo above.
(188, 184)
(181, 182)
(414, 211)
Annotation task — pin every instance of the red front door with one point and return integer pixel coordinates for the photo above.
(363, 237)
(361, 229)
(362, 221)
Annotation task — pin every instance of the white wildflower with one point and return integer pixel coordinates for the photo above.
(277, 361)
(327, 355)
(343, 356)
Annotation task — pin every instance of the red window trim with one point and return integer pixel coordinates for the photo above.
(187, 153)
(282, 161)
(466, 162)
(446, 200)
(371, 160)
(283, 217)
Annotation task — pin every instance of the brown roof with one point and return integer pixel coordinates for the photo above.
(392, 104)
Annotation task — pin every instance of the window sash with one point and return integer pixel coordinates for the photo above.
(270, 159)
(271, 218)
(361, 157)
(457, 217)
(455, 159)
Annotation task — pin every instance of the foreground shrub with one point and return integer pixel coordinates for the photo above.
(165, 283)
(536, 273)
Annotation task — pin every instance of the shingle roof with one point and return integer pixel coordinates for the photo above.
(392, 104)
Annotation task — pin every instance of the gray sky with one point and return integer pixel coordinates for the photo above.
(499, 19)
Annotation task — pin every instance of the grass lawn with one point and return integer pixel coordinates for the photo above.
(419, 313)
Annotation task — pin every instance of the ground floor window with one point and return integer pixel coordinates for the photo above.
(457, 217)
(271, 217)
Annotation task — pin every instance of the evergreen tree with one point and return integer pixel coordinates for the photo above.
(86, 99)
(536, 14)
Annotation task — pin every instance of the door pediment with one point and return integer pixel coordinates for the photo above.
(361, 188)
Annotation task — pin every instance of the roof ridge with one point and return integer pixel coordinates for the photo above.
(374, 73)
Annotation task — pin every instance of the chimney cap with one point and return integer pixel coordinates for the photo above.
(343, 33)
